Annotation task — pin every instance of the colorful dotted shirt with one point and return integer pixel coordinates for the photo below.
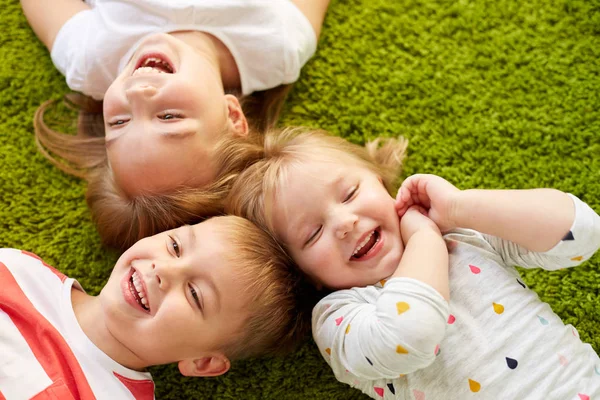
(494, 340)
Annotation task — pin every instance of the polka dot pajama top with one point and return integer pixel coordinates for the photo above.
(494, 340)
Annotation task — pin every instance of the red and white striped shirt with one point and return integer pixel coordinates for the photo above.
(44, 353)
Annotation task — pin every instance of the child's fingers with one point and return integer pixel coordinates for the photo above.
(422, 193)
(401, 211)
(404, 194)
(399, 196)
(403, 201)
(415, 186)
(421, 209)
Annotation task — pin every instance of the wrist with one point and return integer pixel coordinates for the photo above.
(425, 232)
(459, 209)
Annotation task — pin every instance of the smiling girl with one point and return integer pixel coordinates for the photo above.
(410, 319)
(184, 86)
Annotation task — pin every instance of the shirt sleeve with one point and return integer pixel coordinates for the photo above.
(68, 51)
(301, 41)
(577, 246)
(380, 333)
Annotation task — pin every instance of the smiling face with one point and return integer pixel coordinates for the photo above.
(168, 298)
(338, 222)
(164, 115)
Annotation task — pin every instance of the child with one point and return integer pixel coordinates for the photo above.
(409, 321)
(163, 151)
(167, 300)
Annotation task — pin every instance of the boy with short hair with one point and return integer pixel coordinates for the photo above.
(198, 295)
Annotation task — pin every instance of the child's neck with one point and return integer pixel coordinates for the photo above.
(89, 315)
(217, 52)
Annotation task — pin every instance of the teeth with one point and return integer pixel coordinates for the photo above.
(152, 59)
(137, 283)
(156, 61)
(362, 244)
(153, 65)
(147, 71)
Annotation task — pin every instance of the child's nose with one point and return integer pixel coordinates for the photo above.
(346, 224)
(140, 91)
(156, 275)
(165, 273)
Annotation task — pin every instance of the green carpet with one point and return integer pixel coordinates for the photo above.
(491, 94)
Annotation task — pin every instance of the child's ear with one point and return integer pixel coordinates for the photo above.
(205, 366)
(237, 119)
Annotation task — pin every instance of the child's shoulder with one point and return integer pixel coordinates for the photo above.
(7, 251)
(469, 237)
(25, 263)
(11, 256)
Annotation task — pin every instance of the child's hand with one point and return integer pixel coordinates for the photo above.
(413, 220)
(435, 194)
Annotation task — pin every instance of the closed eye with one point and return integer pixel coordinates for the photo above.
(313, 236)
(351, 194)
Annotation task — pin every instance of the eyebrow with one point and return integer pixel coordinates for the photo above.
(168, 135)
(177, 135)
(217, 295)
(338, 181)
(191, 235)
(193, 242)
(110, 141)
(297, 227)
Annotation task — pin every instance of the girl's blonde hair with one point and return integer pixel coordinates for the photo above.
(255, 189)
(281, 301)
(121, 219)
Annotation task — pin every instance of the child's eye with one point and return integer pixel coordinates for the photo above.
(175, 246)
(351, 193)
(118, 122)
(195, 296)
(169, 115)
(314, 235)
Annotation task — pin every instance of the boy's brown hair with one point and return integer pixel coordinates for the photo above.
(255, 189)
(122, 219)
(281, 305)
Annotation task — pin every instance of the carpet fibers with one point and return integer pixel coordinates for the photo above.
(491, 94)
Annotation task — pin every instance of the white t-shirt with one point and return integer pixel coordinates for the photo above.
(44, 353)
(270, 40)
(494, 340)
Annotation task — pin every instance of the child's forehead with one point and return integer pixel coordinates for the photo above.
(328, 169)
(208, 237)
(326, 155)
(211, 226)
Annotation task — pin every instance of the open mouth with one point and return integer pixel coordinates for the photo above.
(153, 64)
(366, 245)
(136, 287)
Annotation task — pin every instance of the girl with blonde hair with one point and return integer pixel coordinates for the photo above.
(427, 303)
(170, 88)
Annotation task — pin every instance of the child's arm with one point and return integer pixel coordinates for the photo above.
(376, 334)
(425, 256)
(536, 219)
(314, 11)
(46, 17)
(580, 242)
(531, 228)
